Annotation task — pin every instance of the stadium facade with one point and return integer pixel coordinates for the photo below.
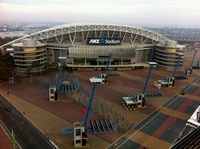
(91, 45)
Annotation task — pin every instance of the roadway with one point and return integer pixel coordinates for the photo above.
(26, 134)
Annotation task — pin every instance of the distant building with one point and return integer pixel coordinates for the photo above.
(90, 45)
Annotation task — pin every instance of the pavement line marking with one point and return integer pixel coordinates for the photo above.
(174, 113)
(191, 97)
(159, 132)
(171, 102)
(196, 84)
(149, 141)
(5, 130)
(32, 111)
(171, 120)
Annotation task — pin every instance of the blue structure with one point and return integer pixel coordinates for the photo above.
(151, 64)
(95, 82)
(141, 97)
(59, 75)
(189, 69)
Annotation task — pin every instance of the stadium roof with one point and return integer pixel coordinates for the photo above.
(72, 28)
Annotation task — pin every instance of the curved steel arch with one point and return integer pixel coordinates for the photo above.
(73, 28)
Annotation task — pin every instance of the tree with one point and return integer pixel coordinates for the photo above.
(8, 60)
(35, 64)
(5, 72)
(46, 67)
(69, 70)
(54, 66)
(29, 73)
(7, 66)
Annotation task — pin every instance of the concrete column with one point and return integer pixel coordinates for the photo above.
(53, 55)
(60, 53)
(121, 61)
(2, 51)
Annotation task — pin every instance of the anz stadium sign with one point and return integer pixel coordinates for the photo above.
(103, 41)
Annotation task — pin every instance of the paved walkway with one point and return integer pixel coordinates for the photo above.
(41, 119)
(161, 128)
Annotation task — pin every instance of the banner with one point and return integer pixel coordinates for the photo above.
(103, 41)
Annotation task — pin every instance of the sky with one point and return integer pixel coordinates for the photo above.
(164, 13)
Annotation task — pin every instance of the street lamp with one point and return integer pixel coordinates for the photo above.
(12, 133)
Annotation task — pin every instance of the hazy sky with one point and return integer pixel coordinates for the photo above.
(181, 13)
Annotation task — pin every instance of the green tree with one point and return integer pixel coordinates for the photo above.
(53, 66)
(35, 64)
(69, 70)
(46, 66)
(6, 66)
(5, 72)
(8, 60)
(29, 71)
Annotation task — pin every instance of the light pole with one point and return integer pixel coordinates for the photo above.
(13, 135)
(151, 65)
(141, 97)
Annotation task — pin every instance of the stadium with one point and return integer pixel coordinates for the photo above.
(94, 46)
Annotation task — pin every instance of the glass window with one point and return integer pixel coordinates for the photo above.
(78, 132)
(78, 141)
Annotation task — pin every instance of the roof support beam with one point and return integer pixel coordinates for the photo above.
(58, 31)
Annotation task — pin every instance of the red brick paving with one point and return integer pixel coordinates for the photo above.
(5, 142)
(126, 82)
(197, 92)
(109, 95)
(35, 96)
(158, 133)
(148, 109)
(72, 112)
(63, 110)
